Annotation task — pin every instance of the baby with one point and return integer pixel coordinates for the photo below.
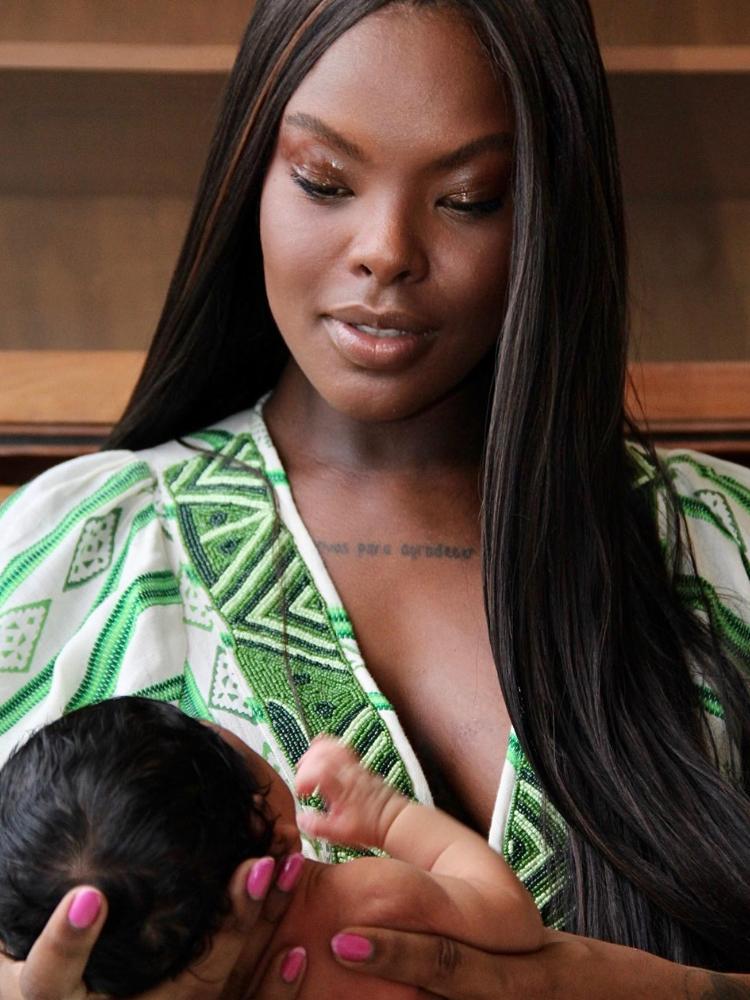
(157, 810)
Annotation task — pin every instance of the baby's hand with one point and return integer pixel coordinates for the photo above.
(360, 806)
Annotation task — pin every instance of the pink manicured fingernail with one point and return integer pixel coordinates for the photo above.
(260, 878)
(290, 872)
(84, 909)
(293, 964)
(352, 947)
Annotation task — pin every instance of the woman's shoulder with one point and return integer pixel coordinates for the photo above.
(713, 494)
(712, 531)
(109, 511)
(79, 488)
(714, 500)
(690, 471)
(694, 472)
(713, 575)
(99, 483)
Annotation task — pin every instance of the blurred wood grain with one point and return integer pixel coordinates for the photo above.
(59, 404)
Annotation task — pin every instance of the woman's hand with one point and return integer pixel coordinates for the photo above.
(55, 966)
(565, 968)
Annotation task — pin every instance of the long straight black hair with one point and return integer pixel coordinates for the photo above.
(593, 645)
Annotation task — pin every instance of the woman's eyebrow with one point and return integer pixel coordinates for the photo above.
(500, 141)
(497, 141)
(317, 127)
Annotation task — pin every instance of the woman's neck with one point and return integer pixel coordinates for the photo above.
(309, 432)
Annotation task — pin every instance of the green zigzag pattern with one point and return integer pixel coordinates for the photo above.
(169, 689)
(700, 595)
(696, 507)
(535, 838)
(146, 591)
(728, 484)
(27, 697)
(24, 564)
(36, 689)
(181, 689)
(249, 564)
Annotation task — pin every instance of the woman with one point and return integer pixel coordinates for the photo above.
(423, 200)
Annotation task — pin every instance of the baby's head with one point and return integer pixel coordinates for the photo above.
(149, 805)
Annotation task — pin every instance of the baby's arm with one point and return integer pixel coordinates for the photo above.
(363, 809)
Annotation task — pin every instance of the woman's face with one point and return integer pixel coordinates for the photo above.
(386, 214)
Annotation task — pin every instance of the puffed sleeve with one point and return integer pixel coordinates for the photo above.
(714, 498)
(90, 603)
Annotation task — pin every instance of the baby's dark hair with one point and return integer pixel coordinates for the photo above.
(148, 805)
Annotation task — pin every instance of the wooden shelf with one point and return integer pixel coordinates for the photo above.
(151, 22)
(677, 58)
(698, 397)
(119, 57)
(115, 57)
(52, 389)
(108, 107)
(58, 404)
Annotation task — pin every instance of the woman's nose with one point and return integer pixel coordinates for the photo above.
(389, 247)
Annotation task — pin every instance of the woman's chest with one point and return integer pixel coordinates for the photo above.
(418, 617)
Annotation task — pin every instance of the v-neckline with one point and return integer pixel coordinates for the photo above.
(258, 429)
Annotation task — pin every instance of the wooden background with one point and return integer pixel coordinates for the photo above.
(106, 109)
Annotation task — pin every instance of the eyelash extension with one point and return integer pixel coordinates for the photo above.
(477, 209)
(329, 192)
(321, 192)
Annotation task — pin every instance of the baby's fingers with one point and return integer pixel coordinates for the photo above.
(318, 825)
(320, 768)
(330, 768)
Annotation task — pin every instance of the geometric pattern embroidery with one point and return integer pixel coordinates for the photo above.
(197, 610)
(535, 838)
(20, 629)
(283, 638)
(225, 691)
(298, 679)
(93, 552)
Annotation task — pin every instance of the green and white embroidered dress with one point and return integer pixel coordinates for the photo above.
(190, 577)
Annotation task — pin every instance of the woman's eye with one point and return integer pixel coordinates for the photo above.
(321, 192)
(475, 208)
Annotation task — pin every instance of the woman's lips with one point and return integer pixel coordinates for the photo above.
(385, 350)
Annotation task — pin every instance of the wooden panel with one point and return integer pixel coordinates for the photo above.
(703, 406)
(145, 21)
(124, 134)
(675, 22)
(65, 387)
(86, 272)
(690, 279)
(83, 389)
(58, 405)
(206, 21)
(675, 58)
(117, 57)
(685, 135)
(91, 232)
(708, 396)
